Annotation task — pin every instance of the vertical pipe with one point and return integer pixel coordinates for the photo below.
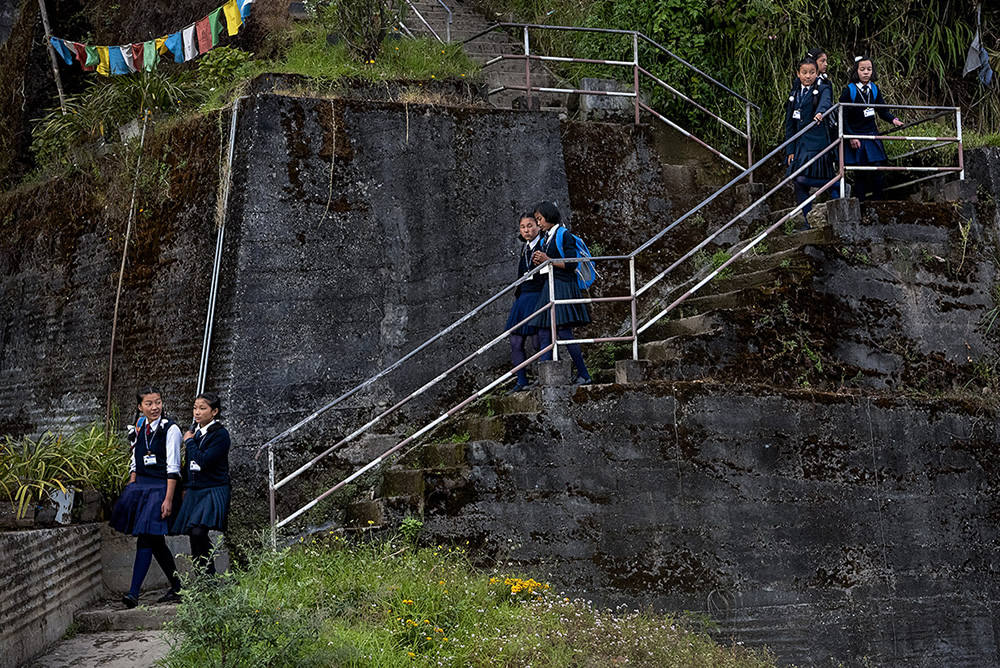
(52, 55)
(749, 143)
(213, 292)
(635, 74)
(271, 492)
(631, 291)
(961, 153)
(527, 69)
(840, 138)
(552, 304)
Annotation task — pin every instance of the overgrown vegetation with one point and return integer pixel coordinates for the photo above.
(328, 602)
(87, 458)
(752, 47)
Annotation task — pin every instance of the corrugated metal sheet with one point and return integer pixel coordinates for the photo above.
(45, 576)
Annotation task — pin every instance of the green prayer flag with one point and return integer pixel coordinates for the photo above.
(92, 57)
(149, 56)
(217, 25)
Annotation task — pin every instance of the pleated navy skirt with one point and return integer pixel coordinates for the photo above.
(137, 510)
(871, 151)
(567, 315)
(207, 507)
(524, 305)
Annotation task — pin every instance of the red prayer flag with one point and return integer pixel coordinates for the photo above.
(80, 51)
(204, 30)
(137, 56)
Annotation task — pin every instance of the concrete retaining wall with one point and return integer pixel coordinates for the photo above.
(46, 575)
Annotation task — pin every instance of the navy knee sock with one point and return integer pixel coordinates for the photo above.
(143, 558)
(201, 549)
(517, 356)
(575, 353)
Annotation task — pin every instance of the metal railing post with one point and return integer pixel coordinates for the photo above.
(840, 151)
(270, 487)
(635, 74)
(961, 151)
(635, 319)
(552, 317)
(527, 70)
(749, 143)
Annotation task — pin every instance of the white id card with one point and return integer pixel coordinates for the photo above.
(869, 112)
(149, 459)
(194, 466)
(797, 115)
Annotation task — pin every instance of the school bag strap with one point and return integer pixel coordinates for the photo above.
(586, 272)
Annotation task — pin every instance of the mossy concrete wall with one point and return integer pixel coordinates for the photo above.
(831, 528)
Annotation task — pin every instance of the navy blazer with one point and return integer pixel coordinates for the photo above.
(569, 247)
(817, 101)
(211, 452)
(855, 121)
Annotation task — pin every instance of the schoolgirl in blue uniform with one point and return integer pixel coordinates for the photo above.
(525, 299)
(861, 121)
(566, 287)
(807, 102)
(149, 502)
(206, 493)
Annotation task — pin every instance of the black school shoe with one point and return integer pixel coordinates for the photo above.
(172, 596)
(129, 601)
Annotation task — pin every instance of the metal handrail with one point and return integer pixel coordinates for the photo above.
(634, 293)
(426, 24)
(637, 70)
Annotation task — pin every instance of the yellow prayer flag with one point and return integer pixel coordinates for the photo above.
(161, 45)
(104, 66)
(233, 20)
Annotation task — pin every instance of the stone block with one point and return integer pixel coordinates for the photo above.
(604, 107)
(403, 482)
(553, 373)
(631, 371)
(843, 210)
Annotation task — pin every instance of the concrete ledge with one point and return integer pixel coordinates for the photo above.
(114, 617)
(631, 371)
(554, 374)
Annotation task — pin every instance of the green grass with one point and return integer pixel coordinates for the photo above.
(390, 604)
(401, 59)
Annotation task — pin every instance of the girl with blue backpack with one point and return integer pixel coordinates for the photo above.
(861, 121)
(559, 243)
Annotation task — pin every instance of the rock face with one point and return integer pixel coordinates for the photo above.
(824, 526)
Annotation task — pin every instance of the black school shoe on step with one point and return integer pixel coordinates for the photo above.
(172, 596)
(129, 601)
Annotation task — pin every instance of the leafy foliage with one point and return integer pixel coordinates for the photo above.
(387, 604)
(87, 458)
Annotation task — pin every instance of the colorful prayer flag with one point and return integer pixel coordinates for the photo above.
(215, 20)
(61, 49)
(117, 59)
(104, 57)
(137, 56)
(81, 53)
(190, 43)
(175, 43)
(93, 57)
(161, 45)
(126, 52)
(245, 8)
(149, 56)
(233, 20)
(204, 30)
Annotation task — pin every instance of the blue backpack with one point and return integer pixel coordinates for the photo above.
(854, 91)
(586, 272)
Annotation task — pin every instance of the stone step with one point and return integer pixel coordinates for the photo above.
(113, 616)
(779, 241)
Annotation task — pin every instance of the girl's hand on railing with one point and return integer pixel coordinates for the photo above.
(855, 144)
(539, 257)
(818, 117)
(791, 158)
(897, 122)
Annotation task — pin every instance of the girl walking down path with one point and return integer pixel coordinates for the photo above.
(147, 506)
(206, 493)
